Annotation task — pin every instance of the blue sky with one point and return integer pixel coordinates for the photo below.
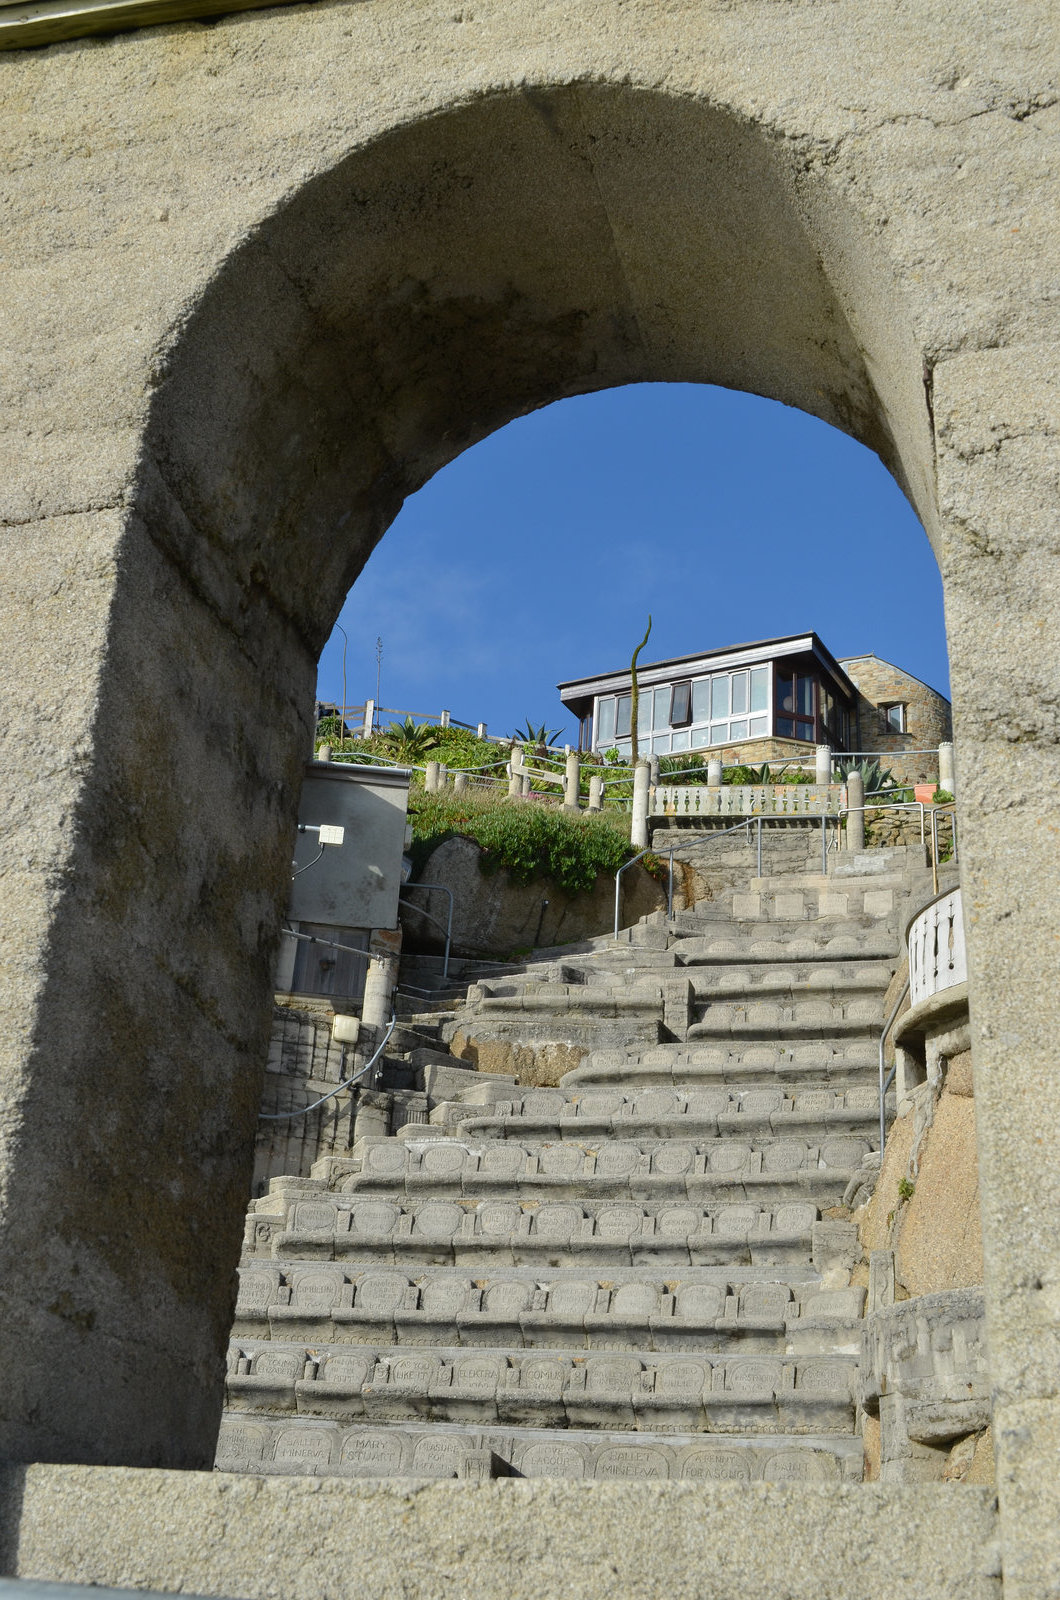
(537, 555)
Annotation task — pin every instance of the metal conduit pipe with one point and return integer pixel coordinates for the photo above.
(288, 1116)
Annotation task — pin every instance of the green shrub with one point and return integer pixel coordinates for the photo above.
(527, 841)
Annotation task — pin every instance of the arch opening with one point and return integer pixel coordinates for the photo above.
(462, 271)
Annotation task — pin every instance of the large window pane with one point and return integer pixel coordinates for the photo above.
(605, 731)
(680, 739)
(719, 733)
(738, 730)
(701, 700)
(643, 713)
(661, 744)
(719, 697)
(805, 696)
(785, 695)
(625, 716)
(758, 727)
(700, 737)
(661, 708)
(760, 689)
(739, 693)
(785, 727)
(681, 705)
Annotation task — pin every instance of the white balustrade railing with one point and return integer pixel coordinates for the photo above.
(936, 948)
(747, 800)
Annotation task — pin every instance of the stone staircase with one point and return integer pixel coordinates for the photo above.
(640, 1272)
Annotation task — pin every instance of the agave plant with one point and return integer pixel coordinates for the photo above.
(874, 777)
(410, 741)
(539, 737)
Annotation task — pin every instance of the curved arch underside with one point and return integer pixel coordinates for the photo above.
(473, 266)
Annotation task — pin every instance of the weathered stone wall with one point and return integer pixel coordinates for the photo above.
(304, 1063)
(929, 720)
(494, 918)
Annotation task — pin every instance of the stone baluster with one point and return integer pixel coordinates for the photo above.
(641, 780)
(572, 781)
(856, 813)
(947, 772)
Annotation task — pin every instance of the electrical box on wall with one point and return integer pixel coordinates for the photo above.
(348, 862)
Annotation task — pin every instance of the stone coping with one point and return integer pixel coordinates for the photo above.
(255, 1538)
(938, 1010)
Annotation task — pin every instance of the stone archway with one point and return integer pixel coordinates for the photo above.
(300, 363)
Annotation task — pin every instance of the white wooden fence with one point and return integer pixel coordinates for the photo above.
(747, 800)
(936, 948)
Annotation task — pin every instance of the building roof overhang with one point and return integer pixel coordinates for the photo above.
(577, 692)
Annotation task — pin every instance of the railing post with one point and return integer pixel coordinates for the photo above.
(947, 774)
(369, 719)
(823, 772)
(430, 777)
(638, 837)
(443, 720)
(480, 731)
(572, 782)
(759, 831)
(459, 782)
(714, 773)
(515, 773)
(653, 763)
(855, 812)
(596, 792)
(670, 889)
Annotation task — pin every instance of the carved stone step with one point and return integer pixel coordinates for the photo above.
(324, 1447)
(618, 1390)
(557, 1233)
(803, 943)
(726, 1168)
(846, 1063)
(797, 1019)
(328, 1303)
(789, 981)
(667, 1113)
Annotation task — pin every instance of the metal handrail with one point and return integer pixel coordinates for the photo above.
(883, 1040)
(441, 889)
(618, 881)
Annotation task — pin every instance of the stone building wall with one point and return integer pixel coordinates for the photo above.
(929, 720)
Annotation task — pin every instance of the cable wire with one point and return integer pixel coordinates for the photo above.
(287, 1116)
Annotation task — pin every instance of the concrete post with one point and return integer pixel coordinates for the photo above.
(824, 764)
(571, 799)
(430, 777)
(714, 773)
(480, 731)
(596, 793)
(459, 782)
(324, 753)
(856, 815)
(638, 837)
(443, 720)
(369, 719)
(515, 772)
(443, 776)
(947, 772)
(653, 763)
(524, 785)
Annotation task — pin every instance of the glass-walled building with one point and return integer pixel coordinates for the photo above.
(753, 695)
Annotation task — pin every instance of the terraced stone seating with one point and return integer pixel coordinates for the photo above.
(632, 1274)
